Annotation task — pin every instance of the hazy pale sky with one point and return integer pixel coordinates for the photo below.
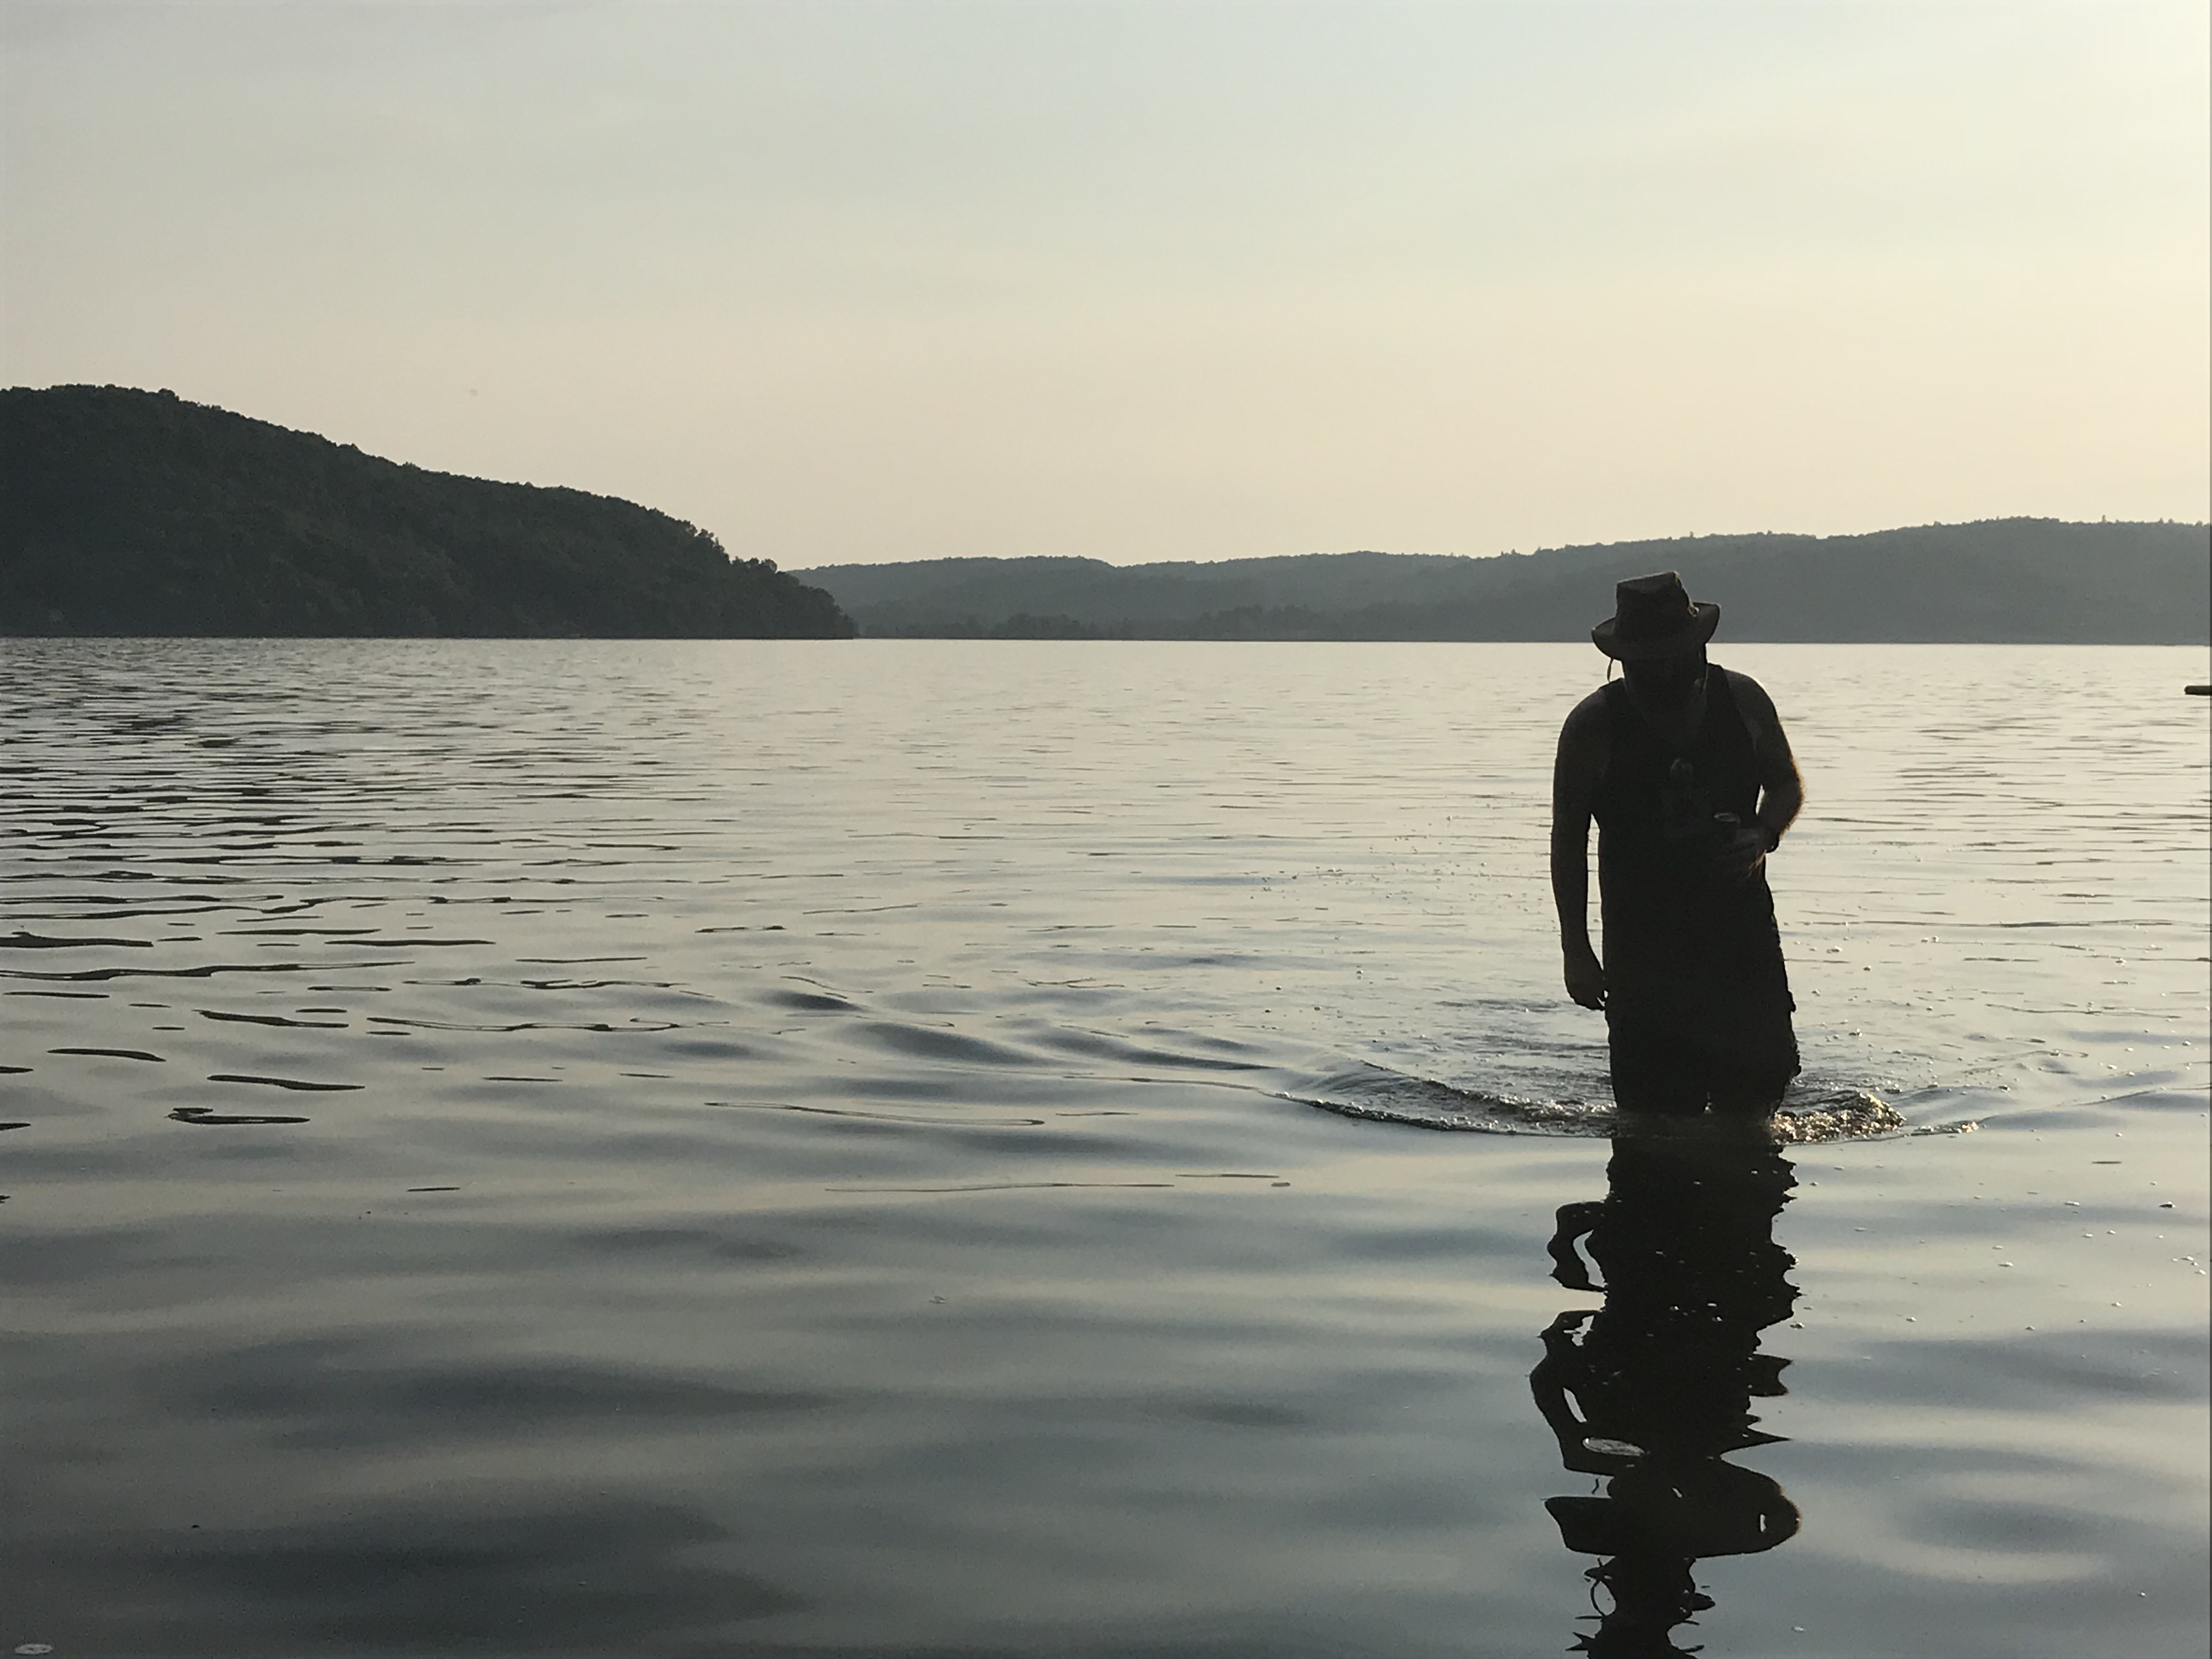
(858, 282)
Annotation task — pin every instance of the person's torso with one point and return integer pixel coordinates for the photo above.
(1659, 803)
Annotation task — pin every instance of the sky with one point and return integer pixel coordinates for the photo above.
(850, 282)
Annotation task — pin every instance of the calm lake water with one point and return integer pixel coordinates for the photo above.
(932, 1148)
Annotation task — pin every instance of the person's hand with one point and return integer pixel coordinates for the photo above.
(1742, 853)
(1585, 977)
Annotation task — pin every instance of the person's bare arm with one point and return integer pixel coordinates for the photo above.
(1575, 776)
(1780, 789)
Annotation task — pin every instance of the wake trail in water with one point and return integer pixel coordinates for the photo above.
(1815, 1111)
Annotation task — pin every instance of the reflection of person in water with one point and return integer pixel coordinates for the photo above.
(1655, 1389)
(1685, 766)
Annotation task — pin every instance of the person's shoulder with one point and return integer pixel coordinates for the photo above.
(1747, 691)
(1758, 712)
(1586, 739)
(1590, 714)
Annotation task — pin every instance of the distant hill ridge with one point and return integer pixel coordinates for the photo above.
(1998, 579)
(129, 512)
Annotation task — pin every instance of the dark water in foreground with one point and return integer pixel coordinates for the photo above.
(671, 1149)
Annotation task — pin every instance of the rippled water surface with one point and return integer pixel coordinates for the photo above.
(927, 1148)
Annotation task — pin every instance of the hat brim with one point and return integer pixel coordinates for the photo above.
(1704, 619)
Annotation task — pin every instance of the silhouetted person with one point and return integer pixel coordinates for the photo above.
(1655, 1388)
(1684, 766)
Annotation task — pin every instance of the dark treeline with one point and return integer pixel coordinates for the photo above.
(1020, 626)
(2000, 580)
(127, 512)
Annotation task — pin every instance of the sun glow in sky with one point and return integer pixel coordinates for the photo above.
(859, 282)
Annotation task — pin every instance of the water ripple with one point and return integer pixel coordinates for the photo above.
(989, 1182)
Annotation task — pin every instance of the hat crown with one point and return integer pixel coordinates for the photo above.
(1651, 607)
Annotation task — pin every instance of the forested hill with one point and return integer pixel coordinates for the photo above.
(126, 512)
(1998, 579)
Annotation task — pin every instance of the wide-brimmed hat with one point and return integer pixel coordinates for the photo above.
(1653, 616)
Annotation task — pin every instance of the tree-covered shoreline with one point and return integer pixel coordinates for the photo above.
(125, 512)
(1999, 581)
